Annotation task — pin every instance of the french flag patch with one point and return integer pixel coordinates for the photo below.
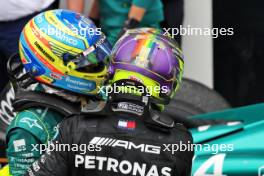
(125, 124)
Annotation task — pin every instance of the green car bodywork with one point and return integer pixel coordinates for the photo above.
(236, 147)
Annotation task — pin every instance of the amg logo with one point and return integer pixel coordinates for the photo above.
(101, 141)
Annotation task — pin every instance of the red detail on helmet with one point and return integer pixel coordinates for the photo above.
(46, 63)
(24, 61)
(55, 76)
(38, 35)
(134, 78)
(42, 80)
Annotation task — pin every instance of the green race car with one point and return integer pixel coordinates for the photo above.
(234, 145)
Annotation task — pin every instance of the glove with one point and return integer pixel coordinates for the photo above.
(96, 21)
(129, 24)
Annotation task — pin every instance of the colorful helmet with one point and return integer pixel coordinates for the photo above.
(65, 50)
(147, 56)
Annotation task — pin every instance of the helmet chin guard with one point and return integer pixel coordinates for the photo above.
(138, 102)
(138, 105)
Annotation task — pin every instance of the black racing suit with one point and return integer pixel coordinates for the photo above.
(119, 145)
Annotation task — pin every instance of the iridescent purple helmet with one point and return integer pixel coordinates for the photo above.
(147, 56)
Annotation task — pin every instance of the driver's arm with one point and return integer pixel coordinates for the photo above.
(135, 15)
(94, 13)
(138, 9)
(76, 5)
(52, 163)
(20, 151)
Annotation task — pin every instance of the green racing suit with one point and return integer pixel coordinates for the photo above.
(30, 128)
(114, 13)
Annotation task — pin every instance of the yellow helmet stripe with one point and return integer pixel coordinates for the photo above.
(52, 40)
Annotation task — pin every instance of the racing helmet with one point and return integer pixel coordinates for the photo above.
(65, 50)
(150, 58)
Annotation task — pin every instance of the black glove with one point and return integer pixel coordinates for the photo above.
(129, 24)
(96, 21)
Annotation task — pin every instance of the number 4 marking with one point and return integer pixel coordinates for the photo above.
(217, 161)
